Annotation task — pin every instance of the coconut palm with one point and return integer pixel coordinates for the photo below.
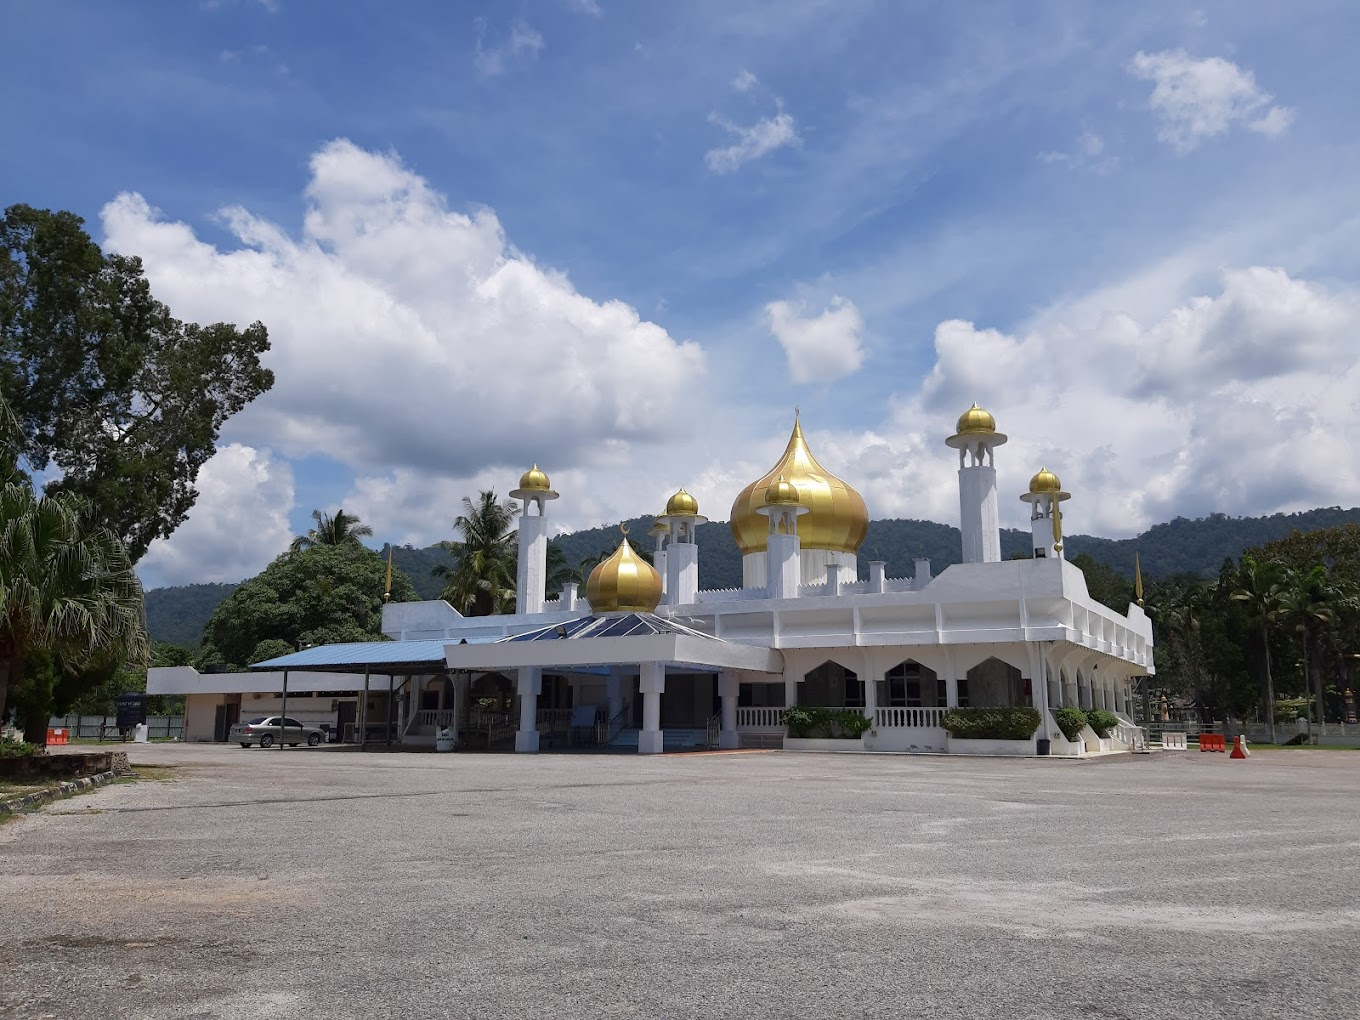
(336, 530)
(67, 588)
(1259, 587)
(481, 580)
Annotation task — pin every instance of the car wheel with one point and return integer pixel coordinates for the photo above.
(313, 739)
(267, 741)
(245, 743)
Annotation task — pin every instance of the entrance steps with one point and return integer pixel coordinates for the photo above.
(671, 740)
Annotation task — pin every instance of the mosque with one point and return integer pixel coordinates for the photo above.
(645, 659)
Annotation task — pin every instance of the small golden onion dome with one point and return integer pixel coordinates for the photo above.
(837, 519)
(659, 526)
(682, 504)
(534, 480)
(975, 420)
(781, 493)
(1045, 481)
(625, 582)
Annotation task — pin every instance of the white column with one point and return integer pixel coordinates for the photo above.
(727, 689)
(682, 573)
(1038, 686)
(871, 678)
(979, 519)
(530, 685)
(784, 566)
(651, 684)
(531, 576)
(877, 573)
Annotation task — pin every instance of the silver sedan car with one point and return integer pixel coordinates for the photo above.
(274, 729)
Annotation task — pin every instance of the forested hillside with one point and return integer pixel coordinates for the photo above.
(1181, 546)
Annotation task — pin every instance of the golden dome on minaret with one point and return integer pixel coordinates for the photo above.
(837, 519)
(974, 420)
(1045, 481)
(625, 582)
(534, 479)
(781, 493)
(682, 504)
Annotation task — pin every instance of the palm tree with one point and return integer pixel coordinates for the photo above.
(67, 588)
(1259, 589)
(337, 530)
(1315, 604)
(560, 572)
(481, 580)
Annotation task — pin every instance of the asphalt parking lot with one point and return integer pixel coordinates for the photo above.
(339, 884)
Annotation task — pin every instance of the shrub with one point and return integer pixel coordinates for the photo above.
(836, 723)
(1070, 721)
(12, 748)
(991, 723)
(1102, 722)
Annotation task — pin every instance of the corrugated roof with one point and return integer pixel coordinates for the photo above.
(378, 656)
(626, 625)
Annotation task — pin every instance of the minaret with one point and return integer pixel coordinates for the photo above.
(979, 519)
(660, 532)
(531, 577)
(682, 554)
(783, 548)
(1045, 514)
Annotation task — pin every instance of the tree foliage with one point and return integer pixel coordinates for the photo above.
(481, 580)
(321, 595)
(125, 399)
(336, 529)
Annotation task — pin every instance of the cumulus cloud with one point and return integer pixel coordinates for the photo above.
(409, 336)
(744, 81)
(239, 523)
(822, 347)
(759, 139)
(1237, 401)
(1198, 99)
(521, 42)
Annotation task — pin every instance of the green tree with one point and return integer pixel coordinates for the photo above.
(125, 399)
(1105, 584)
(67, 590)
(332, 530)
(322, 595)
(481, 581)
(1260, 585)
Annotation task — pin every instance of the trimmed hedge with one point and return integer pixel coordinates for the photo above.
(833, 723)
(1071, 721)
(1102, 722)
(991, 723)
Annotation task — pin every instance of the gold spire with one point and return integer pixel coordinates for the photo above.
(623, 582)
(837, 518)
(387, 584)
(1137, 578)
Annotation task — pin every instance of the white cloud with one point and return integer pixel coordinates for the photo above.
(589, 7)
(522, 42)
(819, 348)
(408, 336)
(1199, 99)
(760, 139)
(239, 523)
(1088, 153)
(744, 81)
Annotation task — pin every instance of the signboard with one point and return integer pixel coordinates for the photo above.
(131, 710)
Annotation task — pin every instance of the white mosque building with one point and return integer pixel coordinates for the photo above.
(645, 659)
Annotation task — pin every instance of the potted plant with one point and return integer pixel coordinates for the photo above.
(825, 729)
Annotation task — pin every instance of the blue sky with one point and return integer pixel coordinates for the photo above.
(624, 240)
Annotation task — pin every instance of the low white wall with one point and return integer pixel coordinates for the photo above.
(919, 740)
(959, 745)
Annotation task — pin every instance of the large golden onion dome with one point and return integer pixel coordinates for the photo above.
(975, 420)
(1045, 481)
(624, 582)
(837, 518)
(534, 480)
(682, 504)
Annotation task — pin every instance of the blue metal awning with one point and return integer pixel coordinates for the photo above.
(371, 656)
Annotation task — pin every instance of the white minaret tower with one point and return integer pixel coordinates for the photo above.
(660, 532)
(682, 554)
(1045, 497)
(979, 518)
(531, 577)
(783, 547)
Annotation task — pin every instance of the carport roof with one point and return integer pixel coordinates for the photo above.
(370, 656)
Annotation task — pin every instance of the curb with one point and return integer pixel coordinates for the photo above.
(28, 801)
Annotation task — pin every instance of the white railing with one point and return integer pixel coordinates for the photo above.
(438, 718)
(1135, 738)
(908, 718)
(760, 718)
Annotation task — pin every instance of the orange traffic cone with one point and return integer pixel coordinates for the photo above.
(1239, 747)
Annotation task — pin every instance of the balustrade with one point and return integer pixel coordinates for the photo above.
(908, 718)
(762, 718)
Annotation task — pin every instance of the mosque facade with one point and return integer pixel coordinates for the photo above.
(645, 659)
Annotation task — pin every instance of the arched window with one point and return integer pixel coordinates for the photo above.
(911, 685)
(995, 684)
(831, 685)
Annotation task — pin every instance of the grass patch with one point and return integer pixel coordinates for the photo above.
(153, 773)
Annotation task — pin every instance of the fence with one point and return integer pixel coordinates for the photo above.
(96, 727)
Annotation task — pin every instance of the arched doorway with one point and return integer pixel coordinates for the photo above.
(831, 685)
(993, 683)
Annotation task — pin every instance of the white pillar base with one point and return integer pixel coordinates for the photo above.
(526, 741)
(728, 740)
(650, 742)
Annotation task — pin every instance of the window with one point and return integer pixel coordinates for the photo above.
(911, 685)
(831, 685)
(963, 692)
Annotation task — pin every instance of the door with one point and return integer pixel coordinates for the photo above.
(345, 717)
